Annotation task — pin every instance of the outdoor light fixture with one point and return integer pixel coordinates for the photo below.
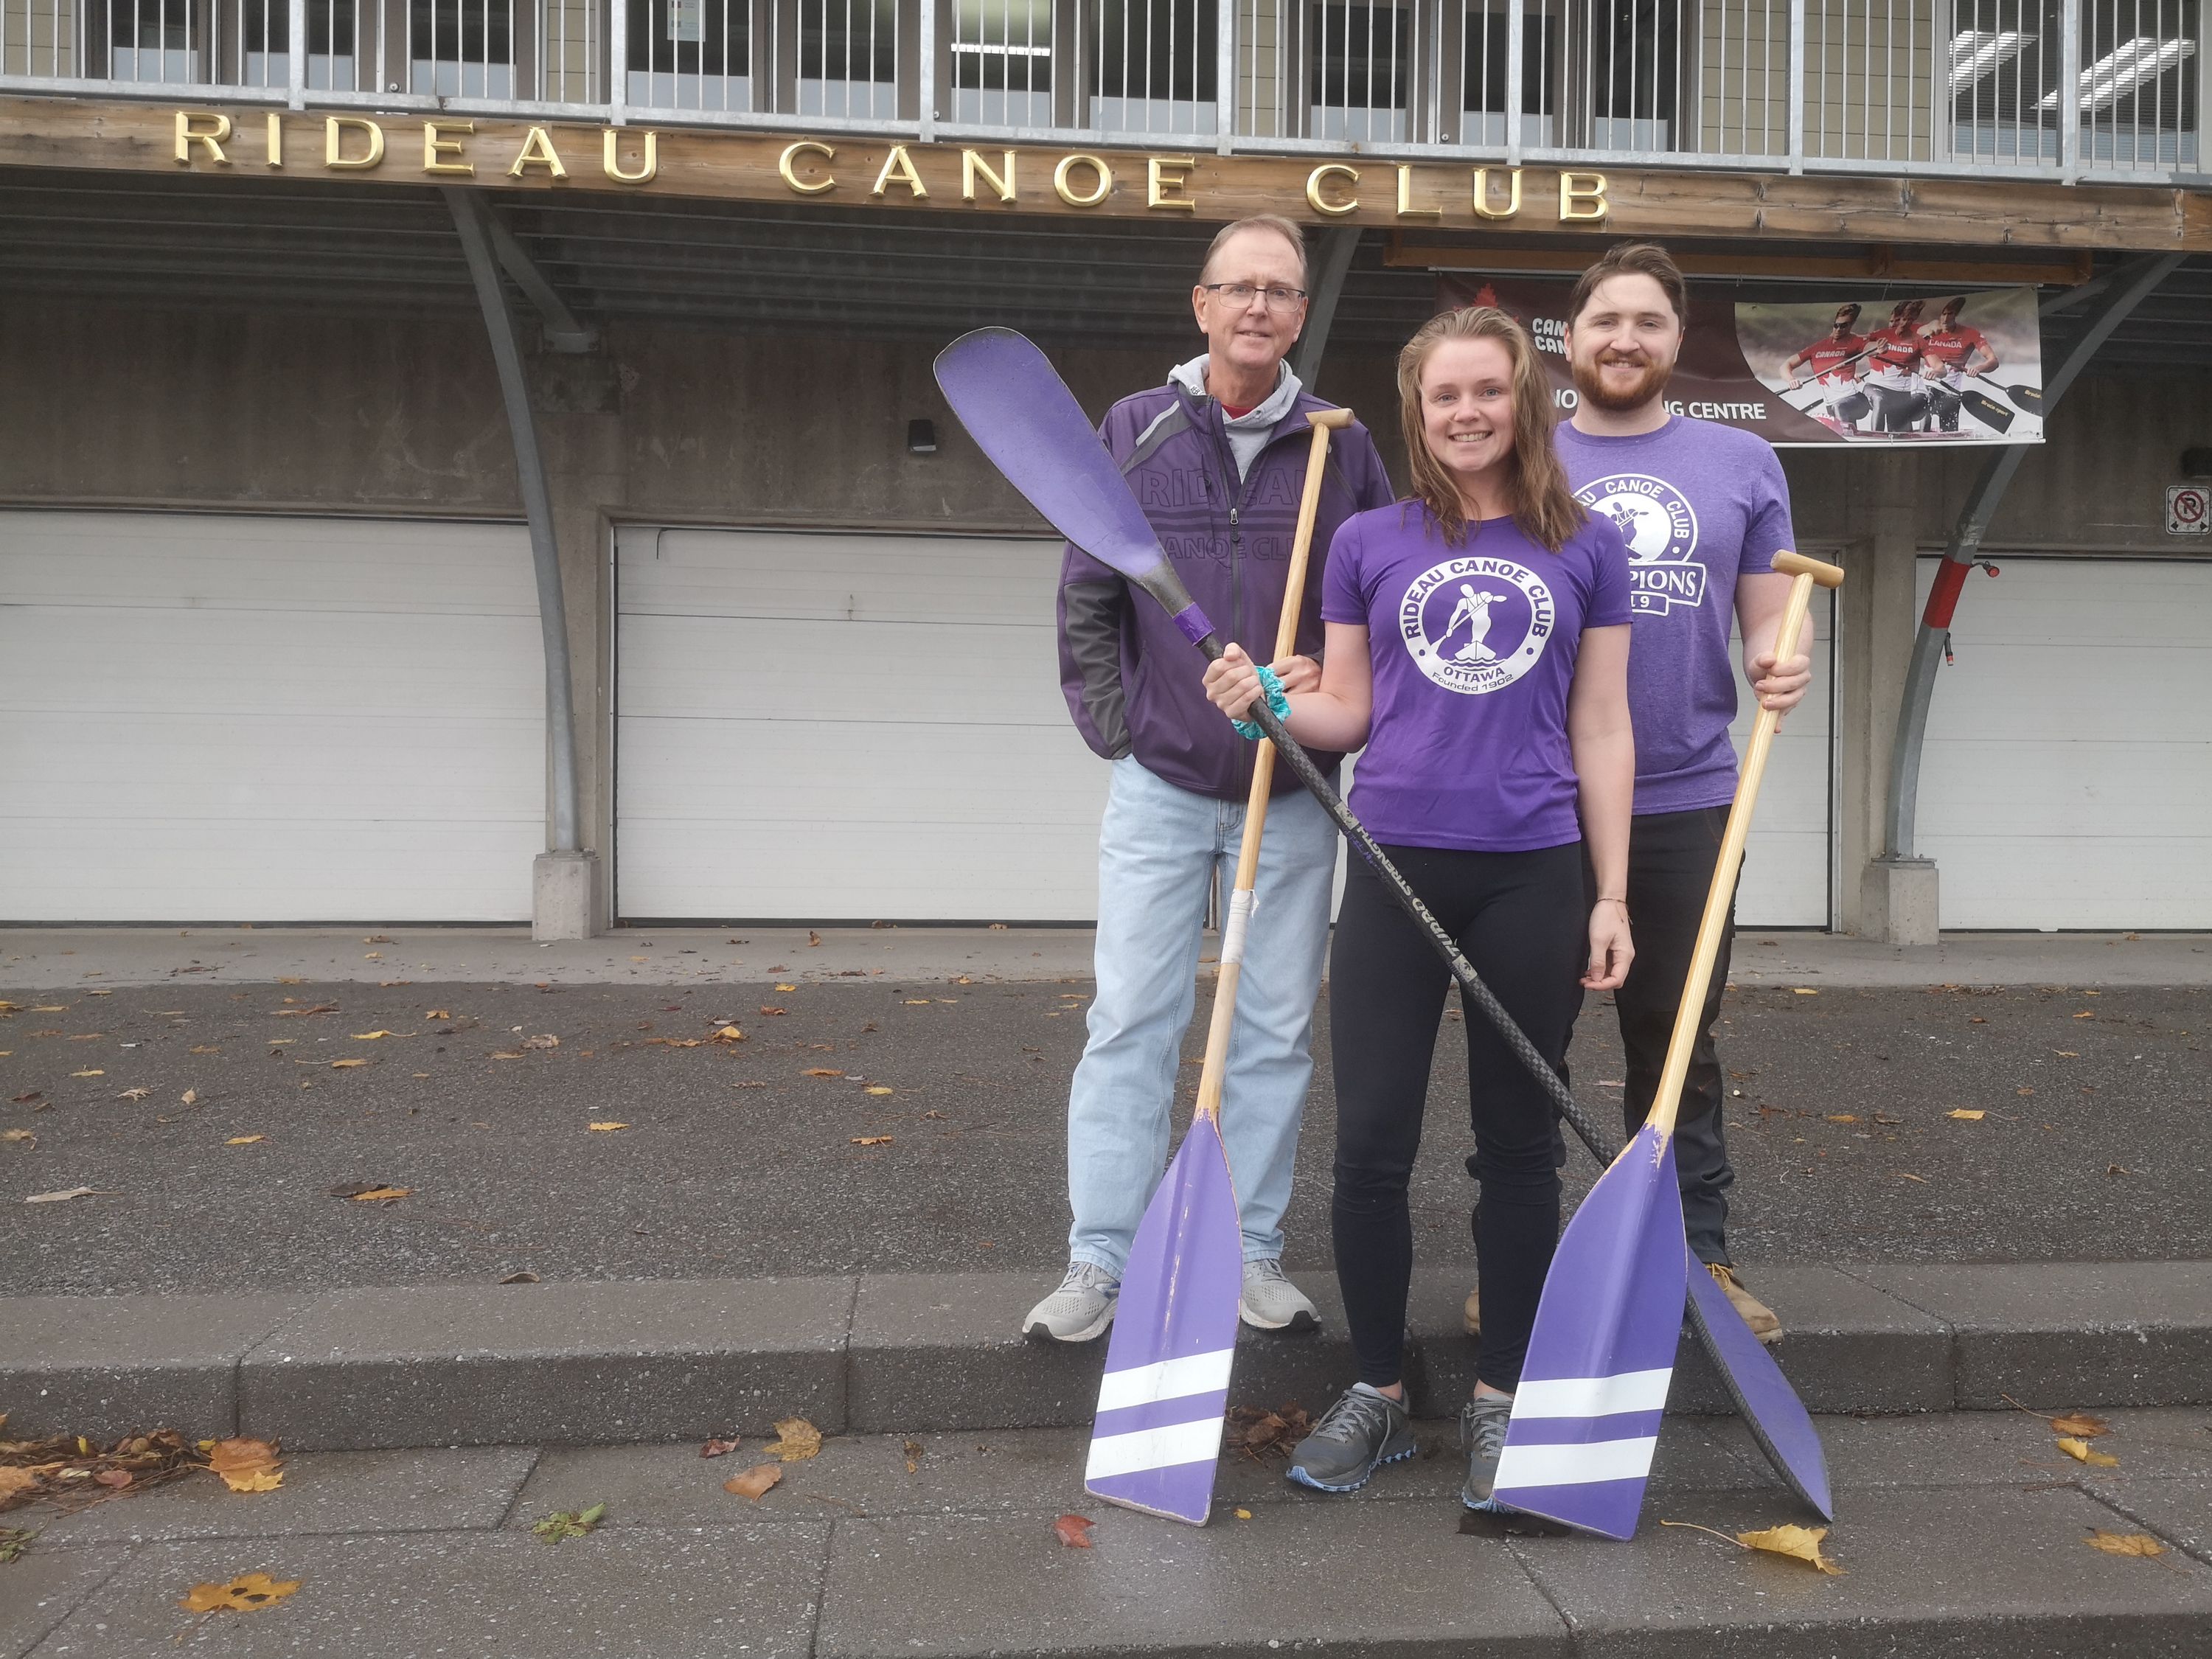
(2117, 74)
(921, 438)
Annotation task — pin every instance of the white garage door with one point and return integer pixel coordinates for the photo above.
(1786, 863)
(212, 719)
(847, 727)
(2067, 780)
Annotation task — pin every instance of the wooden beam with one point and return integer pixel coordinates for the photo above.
(844, 170)
(1874, 262)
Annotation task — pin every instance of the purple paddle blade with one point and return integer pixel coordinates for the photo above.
(1771, 1408)
(1024, 418)
(1586, 1416)
(1157, 1437)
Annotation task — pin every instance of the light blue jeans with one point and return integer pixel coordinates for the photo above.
(1158, 850)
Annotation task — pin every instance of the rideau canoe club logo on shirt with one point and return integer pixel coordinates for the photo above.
(1476, 624)
(1661, 528)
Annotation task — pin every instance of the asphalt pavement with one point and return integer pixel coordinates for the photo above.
(865, 1123)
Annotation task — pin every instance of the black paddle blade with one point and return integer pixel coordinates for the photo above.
(2029, 397)
(1988, 410)
(1022, 415)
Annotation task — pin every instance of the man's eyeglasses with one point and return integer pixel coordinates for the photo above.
(1241, 294)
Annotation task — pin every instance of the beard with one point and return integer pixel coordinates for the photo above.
(1649, 385)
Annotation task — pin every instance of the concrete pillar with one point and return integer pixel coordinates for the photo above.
(577, 401)
(1890, 901)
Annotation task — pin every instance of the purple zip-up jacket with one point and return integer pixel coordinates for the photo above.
(1134, 682)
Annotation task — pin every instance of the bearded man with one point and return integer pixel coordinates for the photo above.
(1704, 508)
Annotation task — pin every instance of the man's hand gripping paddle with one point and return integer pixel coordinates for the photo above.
(1586, 1416)
(1157, 1440)
(1022, 415)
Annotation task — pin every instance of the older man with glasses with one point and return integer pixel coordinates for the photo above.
(1217, 456)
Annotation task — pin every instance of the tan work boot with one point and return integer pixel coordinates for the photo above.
(1471, 1315)
(1756, 1314)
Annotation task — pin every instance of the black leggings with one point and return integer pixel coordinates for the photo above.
(1521, 919)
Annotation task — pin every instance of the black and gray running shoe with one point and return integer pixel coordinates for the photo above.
(1482, 1422)
(1365, 1430)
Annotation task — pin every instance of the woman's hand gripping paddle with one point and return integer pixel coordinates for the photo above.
(1157, 1440)
(1022, 415)
(1586, 1416)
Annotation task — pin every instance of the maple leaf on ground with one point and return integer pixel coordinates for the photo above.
(717, 1447)
(569, 1523)
(1799, 1543)
(244, 1594)
(2080, 1425)
(796, 1439)
(753, 1482)
(1075, 1530)
(246, 1464)
(2124, 1543)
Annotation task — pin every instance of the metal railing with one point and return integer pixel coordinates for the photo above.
(2097, 90)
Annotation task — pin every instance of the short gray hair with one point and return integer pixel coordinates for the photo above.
(1274, 223)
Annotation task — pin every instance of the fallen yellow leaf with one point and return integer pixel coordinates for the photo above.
(1243, 1515)
(19, 1134)
(796, 1438)
(1799, 1543)
(381, 1195)
(371, 1037)
(878, 1089)
(246, 1464)
(241, 1595)
(245, 1140)
(603, 1126)
(204, 1048)
(437, 1013)
(917, 1002)
(2080, 1452)
(346, 1065)
(753, 1482)
(1966, 1116)
(786, 987)
(820, 1071)
(2086, 1014)
(1804, 991)
(134, 1094)
(729, 1034)
(2124, 1543)
(1843, 1117)
(96, 1073)
(65, 1195)
(191, 1096)
(2066, 1054)
(871, 1140)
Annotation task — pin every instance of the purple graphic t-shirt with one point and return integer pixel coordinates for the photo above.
(1474, 648)
(1700, 505)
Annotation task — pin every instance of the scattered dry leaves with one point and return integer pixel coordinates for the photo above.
(796, 1439)
(74, 1470)
(1261, 1434)
(753, 1482)
(1075, 1530)
(13, 1540)
(244, 1594)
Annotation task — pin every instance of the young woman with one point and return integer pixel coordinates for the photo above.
(1477, 646)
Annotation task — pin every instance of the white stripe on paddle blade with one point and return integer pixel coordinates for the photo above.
(1576, 1465)
(1165, 1379)
(1594, 1397)
(1154, 1448)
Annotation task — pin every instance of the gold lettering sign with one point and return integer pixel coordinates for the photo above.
(210, 136)
(537, 151)
(1582, 197)
(1482, 206)
(275, 131)
(610, 159)
(435, 146)
(334, 132)
(974, 167)
(783, 165)
(898, 169)
(1405, 208)
(1324, 176)
(1166, 177)
(1065, 191)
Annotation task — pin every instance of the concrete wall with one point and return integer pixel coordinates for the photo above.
(125, 406)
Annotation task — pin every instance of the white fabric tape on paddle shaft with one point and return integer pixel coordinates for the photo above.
(1240, 906)
(1154, 1448)
(1523, 1466)
(1165, 1379)
(1594, 1397)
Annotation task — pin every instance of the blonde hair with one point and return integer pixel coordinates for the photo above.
(1543, 506)
(1273, 223)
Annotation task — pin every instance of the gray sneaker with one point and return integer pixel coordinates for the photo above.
(1269, 1302)
(1079, 1310)
(1365, 1430)
(1482, 1422)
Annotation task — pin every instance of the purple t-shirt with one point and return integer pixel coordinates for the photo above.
(1474, 648)
(1699, 504)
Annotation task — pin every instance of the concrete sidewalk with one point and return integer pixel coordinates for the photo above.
(1964, 1536)
(584, 1363)
(58, 957)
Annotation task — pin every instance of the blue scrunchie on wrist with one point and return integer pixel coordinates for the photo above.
(1248, 731)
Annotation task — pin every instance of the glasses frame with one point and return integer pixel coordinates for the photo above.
(1298, 295)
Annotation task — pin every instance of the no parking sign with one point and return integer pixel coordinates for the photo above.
(2189, 510)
